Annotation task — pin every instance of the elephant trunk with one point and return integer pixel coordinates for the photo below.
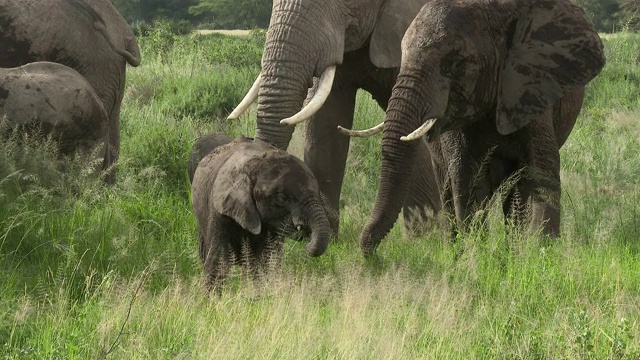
(398, 162)
(298, 47)
(280, 96)
(319, 225)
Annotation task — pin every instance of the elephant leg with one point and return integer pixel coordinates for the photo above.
(264, 257)
(423, 201)
(214, 254)
(460, 169)
(450, 230)
(113, 146)
(326, 149)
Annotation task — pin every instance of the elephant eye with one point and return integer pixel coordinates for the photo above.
(280, 198)
(454, 65)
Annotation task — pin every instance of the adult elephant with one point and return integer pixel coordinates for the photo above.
(90, 37)
(496, 83)
(349, 45)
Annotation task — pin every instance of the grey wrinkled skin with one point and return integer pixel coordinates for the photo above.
(89, 36)
(505, 80)
(361, 37)
(55, 101)
(243, 193)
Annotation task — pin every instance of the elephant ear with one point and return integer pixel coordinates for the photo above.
(553, 48)
(394, 19)
(232, 196)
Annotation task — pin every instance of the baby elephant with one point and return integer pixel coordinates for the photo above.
(243, 193)
(53, 99)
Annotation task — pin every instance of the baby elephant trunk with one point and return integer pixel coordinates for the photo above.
(319, 225)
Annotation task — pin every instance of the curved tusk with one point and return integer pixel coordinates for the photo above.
(362, 133)
(248, 99)
(321, 95)
(419, 132)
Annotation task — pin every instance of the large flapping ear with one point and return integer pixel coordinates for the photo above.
(233, 196)
(394, 19)
(553, 49)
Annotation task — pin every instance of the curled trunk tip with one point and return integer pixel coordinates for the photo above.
(320, 229)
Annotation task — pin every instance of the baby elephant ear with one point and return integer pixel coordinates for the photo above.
(553, 48)
(232, 197)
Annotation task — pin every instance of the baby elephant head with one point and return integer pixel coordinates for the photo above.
(260, 187)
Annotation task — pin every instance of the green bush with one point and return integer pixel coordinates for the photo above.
(201, 76)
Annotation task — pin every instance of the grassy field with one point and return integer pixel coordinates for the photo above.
(89, 272)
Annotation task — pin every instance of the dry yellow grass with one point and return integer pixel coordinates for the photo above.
(225, 32)
(388, 317)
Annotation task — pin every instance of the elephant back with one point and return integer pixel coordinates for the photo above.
(203, 146)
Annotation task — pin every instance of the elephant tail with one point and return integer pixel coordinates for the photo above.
(131, 53)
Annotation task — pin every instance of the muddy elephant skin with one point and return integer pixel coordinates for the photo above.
(89, 36)
(55, 101)
(495, 84)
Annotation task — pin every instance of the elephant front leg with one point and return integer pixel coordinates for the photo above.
(214, 254)
(460, 167)
(264, 255)
(326, 149)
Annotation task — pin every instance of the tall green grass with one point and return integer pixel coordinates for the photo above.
(93, 272)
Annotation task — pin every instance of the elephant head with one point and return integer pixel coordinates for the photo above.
(309, 38)
(463, 61)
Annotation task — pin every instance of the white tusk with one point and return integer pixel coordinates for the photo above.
(321, 95)
(419, 132)
(248, 99)
(362, 133)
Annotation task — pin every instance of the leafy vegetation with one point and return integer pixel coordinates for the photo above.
(92, 272)
(612, 15)
(208, 14)
(234, 14)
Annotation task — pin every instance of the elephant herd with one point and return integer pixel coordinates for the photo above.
(475, 92)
